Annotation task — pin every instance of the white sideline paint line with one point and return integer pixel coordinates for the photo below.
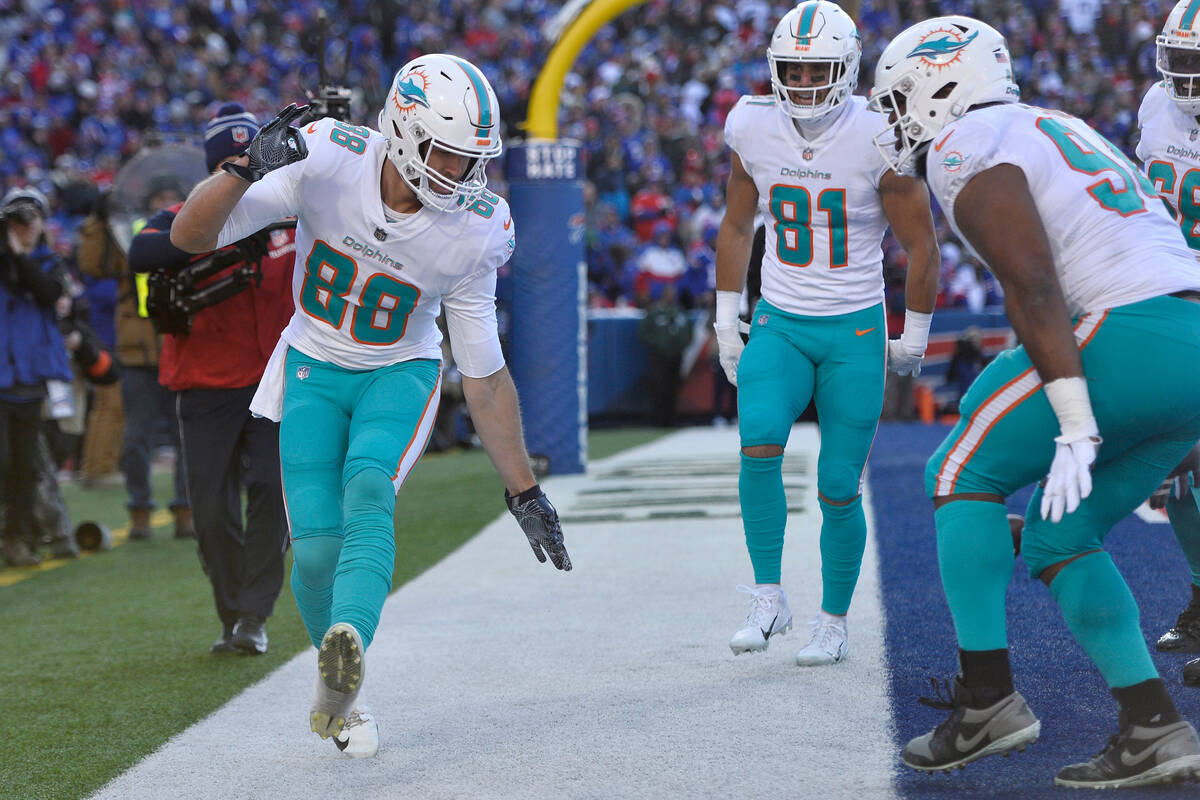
(493, 676)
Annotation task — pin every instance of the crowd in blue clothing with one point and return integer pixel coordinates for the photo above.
(84, 85)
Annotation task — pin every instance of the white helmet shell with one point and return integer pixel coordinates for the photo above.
(1178, 56)
(441, 101)
(817, 32)
(930, 75)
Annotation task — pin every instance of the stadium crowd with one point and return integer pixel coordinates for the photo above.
(84, 86)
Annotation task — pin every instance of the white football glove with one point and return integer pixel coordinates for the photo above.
(1070, 477)
(729, 349)
(903, 359)
(905, 353)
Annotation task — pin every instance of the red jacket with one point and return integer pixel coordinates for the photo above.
(230, 342)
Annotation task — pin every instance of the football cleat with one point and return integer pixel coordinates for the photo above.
(1191, 672)
(360, 736)
(828, 644)
(1184, 637)
(341, 668)
(769, 616)
(1139, 756)
(970, 734)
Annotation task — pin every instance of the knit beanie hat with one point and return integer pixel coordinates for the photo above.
(228, 133)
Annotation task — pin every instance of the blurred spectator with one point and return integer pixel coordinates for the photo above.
(661, 262)
(148, 407)
(34, 353)
(666, 332)
(966, 363)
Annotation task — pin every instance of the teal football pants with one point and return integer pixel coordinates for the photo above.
(347, 441)
(790, 360)
(1141, 365)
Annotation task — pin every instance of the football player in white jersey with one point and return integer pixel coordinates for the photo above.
(1096, 278)
(1169, 120)
(803, 156)
(391, 227)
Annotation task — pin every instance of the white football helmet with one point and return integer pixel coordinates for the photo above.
(930, 75)
(444, 101)
(1179, 56)
(817, 32)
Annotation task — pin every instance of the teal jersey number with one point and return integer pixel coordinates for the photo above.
(791, 206)
(351, 137)
(384, 304)
(1126, 200)
(1187, 210)
(485, 206)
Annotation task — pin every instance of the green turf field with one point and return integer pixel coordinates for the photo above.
(107, 657)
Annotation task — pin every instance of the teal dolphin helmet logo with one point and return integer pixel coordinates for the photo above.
(946, 45)
(411, 93)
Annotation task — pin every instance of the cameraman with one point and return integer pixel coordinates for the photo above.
(215, 368)
(31, 352)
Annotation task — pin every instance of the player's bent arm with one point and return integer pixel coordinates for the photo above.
(199, 222)
(496, 414)
(906, 206)
(997, 214)
(735, 236)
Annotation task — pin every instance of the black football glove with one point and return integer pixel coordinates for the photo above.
(539, 520)
(276, 145)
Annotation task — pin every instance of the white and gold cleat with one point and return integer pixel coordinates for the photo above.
(341, 667)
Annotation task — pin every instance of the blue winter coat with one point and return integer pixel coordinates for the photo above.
(31, 347)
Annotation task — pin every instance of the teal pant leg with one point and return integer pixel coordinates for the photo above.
(392, 418)
(849, 398)
(1109, 631)
(313, 434)
(775, 384)
(975, 557)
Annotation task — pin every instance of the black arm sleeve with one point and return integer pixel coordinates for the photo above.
(151, 249)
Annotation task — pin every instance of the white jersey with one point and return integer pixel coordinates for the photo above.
(1112, 240)
(1170, 155)
(820, 203)
(368, 290)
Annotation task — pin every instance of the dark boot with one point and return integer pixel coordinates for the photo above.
(139, 524)
(250, 635)
(17, 554)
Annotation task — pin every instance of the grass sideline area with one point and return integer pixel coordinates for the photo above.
(107, 657)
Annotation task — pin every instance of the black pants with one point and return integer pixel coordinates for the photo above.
(18, 453)
(224, 447)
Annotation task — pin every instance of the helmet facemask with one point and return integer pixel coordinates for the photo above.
(1180, 67)
(810, 102)
(410, 149)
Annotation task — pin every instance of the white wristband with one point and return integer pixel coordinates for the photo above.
(728, 305)
(1069, 399)
(916, 330)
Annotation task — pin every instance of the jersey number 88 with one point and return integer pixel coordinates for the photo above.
(381, 309)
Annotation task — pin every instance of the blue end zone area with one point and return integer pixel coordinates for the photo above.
(1063, 688)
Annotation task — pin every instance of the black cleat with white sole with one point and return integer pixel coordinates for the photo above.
(970, 734)
(1139, 756)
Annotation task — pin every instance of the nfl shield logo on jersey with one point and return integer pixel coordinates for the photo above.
(380, 234)
(302, 372)
(762, 318)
